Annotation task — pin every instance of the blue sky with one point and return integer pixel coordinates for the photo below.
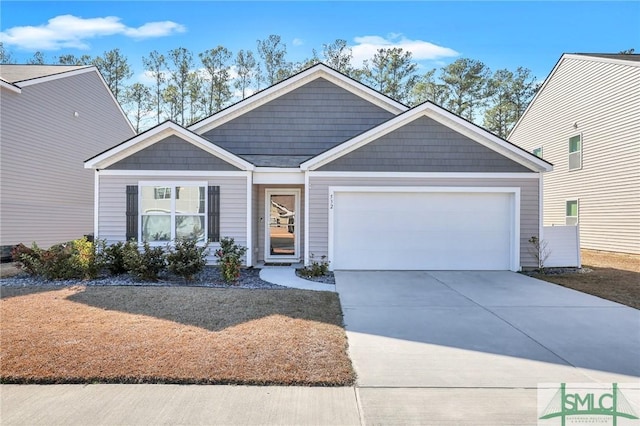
(501, 34)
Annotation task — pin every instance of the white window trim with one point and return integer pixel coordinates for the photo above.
(569, 152)
(577, 200)
(172, 185)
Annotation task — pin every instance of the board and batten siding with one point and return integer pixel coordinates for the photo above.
(603, 100)
(319, 204)
(47, 194)
(233, 206)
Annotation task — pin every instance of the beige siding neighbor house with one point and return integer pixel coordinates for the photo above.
(585, 120)
(320, 165)
(51, 119)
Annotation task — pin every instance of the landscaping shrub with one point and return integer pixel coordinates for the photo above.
(187, 259)
(114, 258)
(74, 259)
(145, 265)
(229, 257)
(315, 268)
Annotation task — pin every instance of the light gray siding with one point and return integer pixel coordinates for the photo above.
(233, 206)
(303, 122)
(319, 201)
(603, 100)
(424, 145)
(263, 217)
(47, 195)
(172, 153)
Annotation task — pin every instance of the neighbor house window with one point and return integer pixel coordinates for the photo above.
(575, 152)
(172, 212)
(537, 152)
(572, 212)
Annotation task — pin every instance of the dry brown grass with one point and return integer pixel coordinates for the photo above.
(172, 335)
(613, 276)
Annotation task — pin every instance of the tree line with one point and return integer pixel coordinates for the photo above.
(186, 87)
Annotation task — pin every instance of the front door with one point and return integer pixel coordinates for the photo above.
(281, 232)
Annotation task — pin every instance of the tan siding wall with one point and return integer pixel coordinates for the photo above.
(46, 194)
(233, 202)
(260, 225)
(319, 211)
(604, 99)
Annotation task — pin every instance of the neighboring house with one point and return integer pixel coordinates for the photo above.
(51, 119)
(321, 165)
(585, 120)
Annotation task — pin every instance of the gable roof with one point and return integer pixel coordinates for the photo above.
(156, 134)
(444, 117)
(17, 74)
(618, 59)
(319, 70)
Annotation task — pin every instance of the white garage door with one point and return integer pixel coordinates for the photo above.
(422, 230)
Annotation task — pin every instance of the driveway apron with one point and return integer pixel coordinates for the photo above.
(467, 347)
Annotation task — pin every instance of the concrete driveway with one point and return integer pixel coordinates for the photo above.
(465, 347)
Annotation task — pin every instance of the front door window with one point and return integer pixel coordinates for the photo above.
(282, 225)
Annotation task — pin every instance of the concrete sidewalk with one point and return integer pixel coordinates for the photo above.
(286, 276)
(105, 404)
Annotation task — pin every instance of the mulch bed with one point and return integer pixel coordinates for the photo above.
(133, 334)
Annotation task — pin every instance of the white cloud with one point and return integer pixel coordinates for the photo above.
(366, 47)
(297, 42)
(68, 31)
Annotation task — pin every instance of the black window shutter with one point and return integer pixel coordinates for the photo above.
(132, 212)
(214, 214)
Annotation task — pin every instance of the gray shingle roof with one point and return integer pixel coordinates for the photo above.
(634, 57)
(276, 160)
(16, 73)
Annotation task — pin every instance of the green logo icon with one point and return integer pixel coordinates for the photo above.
(587, 403)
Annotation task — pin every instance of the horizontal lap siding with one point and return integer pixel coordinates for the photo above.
(319, 212)
(46, 193)
(233, 202)
(604, 100)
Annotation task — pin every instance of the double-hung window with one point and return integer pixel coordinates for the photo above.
(571, 212)
(172, 211)
(575, 152)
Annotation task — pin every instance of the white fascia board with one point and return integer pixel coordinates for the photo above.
(290, 84)
(421, 189)
(157, 134)
(425, 175)
(51, 77)
(9, 86)
(172, 173)
(442, 116)
(290, 176)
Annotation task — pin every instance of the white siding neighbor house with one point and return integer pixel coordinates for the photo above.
(320, 165)
(585, 120)
(51, 119)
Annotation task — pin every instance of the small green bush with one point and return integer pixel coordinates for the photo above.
(186, 259)
(146, 265)
(114, 258)
(315, 268)
(28, 258)
(229, 257)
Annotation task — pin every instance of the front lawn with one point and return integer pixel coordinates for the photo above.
(119, 334)
(611, 276)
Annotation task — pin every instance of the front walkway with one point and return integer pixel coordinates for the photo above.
(286, 276)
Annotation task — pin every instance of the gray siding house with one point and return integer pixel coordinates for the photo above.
(51, 119)
(320, 165)
(585, 119)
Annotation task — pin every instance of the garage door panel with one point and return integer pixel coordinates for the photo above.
(422, 230)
